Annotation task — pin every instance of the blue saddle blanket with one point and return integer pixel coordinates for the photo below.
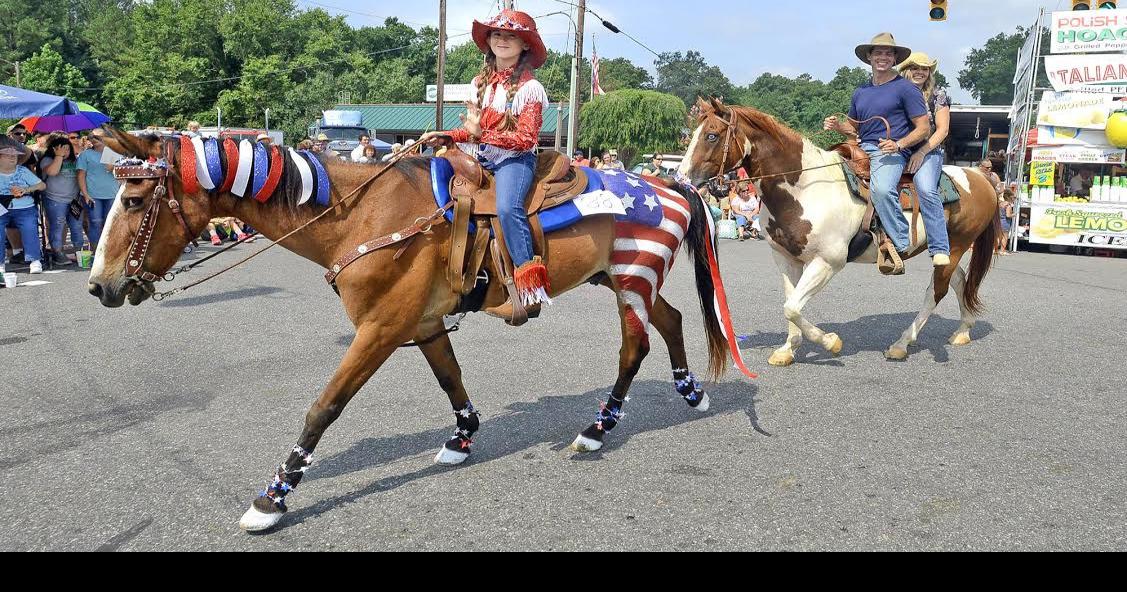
(638, 198)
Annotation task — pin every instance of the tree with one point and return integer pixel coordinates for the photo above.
(47, 72)
(621, 73)
(989, 71)
(689, 76)
(634, 122)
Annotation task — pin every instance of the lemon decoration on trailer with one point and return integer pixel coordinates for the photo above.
(1117, 129)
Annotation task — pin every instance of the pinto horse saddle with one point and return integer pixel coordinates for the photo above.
(477, 229)
(858, 176)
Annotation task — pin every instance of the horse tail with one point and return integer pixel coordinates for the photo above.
(701, 244)
(984, 248)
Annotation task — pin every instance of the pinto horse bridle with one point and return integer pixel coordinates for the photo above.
(139, 249)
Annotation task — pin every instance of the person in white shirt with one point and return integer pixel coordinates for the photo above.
(358, 152)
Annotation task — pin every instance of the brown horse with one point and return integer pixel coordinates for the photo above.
(811, 216)
(393, 296)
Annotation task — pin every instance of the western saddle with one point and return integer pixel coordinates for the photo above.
(477, 229)
(888, 260)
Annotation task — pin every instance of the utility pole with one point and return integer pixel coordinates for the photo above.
(18, 74)
(509, 5)
(573, 113)
(559, 127)
(438, 115)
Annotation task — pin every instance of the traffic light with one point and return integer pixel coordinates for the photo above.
(938, 10)
(1087, 4)
(1108, 4)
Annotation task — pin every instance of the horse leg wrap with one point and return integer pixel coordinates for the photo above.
(469, 422)
(609, 416)
(286, 480)
(688, 387)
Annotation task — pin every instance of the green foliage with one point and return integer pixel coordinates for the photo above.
(47, 72)
(989, 71)
(689, 76)
(621, 73)
(634, 122)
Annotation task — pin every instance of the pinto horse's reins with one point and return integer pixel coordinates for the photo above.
(720, 177)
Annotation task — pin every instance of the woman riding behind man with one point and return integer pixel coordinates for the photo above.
(890, 97)
(502, 130)
(927, 160)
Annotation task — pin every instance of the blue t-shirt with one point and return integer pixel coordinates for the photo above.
(100, 183)
(898, 101)
(22, 177)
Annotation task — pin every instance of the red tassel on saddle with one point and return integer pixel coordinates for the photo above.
(531, 280)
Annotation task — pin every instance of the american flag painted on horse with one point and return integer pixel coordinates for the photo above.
(646, 243)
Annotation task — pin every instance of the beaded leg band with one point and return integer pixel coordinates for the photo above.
(469, 422)
(688, 387)
(287, 477)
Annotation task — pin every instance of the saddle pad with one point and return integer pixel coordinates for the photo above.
(553, 219)
(947, 190)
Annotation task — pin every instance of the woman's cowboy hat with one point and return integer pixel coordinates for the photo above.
(918, 58)
(518, 23)
(883, 40)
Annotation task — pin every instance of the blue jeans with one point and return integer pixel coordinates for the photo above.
(931, 205)
(886, 172)
(514, 178)
(58, 217)
(27, 221)
(98, 213)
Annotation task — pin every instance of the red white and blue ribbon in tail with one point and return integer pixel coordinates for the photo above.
(720, 297)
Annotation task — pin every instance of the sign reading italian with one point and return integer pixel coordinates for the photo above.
(1075, 109)
(1079, 155)
(1089, 31)
(1079, 225)
(1089, 73)
(1043, 174)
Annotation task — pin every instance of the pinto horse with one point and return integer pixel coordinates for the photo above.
(395, 296)
(811, 216)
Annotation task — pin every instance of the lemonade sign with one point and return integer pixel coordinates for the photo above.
(1043, 174)
(1076, 110)
(1078, 225)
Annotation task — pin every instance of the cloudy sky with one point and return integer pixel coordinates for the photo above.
(744, 37)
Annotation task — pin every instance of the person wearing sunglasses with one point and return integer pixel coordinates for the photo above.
(77, 143)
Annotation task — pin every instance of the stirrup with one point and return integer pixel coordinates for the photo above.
(889, 261)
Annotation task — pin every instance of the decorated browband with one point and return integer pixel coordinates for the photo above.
(135, 168)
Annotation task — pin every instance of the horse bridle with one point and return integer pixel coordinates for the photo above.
(139, 249)
(721, 173)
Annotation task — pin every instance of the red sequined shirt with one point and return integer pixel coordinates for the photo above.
(527, 105)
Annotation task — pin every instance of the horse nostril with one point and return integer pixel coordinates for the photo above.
(95, 290)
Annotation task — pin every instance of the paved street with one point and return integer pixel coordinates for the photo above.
(153, 428)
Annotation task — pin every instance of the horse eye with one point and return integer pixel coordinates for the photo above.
(713, 138)
(133, 203)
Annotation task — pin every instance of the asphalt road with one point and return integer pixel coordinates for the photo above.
(153, 428)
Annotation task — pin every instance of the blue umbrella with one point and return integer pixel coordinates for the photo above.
(17, 102)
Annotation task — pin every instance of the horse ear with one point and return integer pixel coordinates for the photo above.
(703, 105)
(717, 105)
(123, 143)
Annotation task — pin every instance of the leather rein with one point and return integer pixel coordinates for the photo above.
(721, 176)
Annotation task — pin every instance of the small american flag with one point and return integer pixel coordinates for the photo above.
(641, 200)
(596, 86)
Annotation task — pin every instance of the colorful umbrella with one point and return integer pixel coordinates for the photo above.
(20, 102)
(84, 118)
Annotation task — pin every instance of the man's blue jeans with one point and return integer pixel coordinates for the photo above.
(27, 221)
(98, 214)
(58, 217)
(886, 172)
(514, 178)
(931, 205)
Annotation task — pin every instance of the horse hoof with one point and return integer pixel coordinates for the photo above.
(585, 444)
(781, 360)
(896, 354)
(256, 521)
(833, 344)
(450, 458)
(960, 340)
(704, 404)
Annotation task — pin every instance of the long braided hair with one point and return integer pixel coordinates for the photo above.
(487, 72)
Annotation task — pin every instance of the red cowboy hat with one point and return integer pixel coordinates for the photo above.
(516, 22)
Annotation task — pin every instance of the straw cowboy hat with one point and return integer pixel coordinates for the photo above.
(918, 58)
(518, 23)
(882, 40)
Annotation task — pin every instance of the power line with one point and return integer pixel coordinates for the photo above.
(612, 27)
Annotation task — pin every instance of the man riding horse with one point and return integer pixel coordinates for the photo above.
(895, 99)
